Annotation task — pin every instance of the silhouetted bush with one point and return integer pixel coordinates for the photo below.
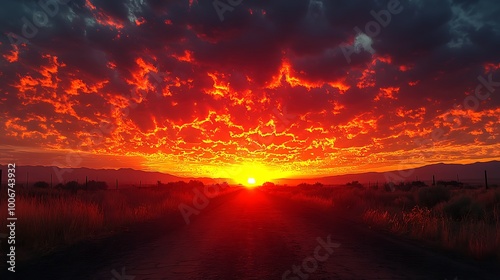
(450, 183)
(195, 184)
(431, 196)
(404, 187)
(355, 184)
(41, 184)
(463, 208)
(268, 184)
(419, 184)
(96, 185)
(389, 187)
(178, 184)
(71, 186)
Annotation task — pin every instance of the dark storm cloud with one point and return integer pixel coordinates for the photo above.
(254, 44)
(428, 55)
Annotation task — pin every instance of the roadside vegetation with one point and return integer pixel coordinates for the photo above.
(51, 218)
(460, 219)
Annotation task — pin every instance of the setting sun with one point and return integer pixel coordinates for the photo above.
(250, 174)
(251, 181)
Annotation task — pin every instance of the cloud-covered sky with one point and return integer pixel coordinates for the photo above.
(265, 88)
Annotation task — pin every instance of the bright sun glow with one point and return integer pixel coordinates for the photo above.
(251, 181)
(251, 174)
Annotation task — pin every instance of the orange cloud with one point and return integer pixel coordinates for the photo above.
(387, 93)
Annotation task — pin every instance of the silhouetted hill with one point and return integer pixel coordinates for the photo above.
(467, 173)
(125, 176)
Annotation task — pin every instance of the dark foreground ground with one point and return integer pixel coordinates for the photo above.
(251, 235)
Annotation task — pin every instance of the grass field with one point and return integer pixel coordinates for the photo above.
(49, 218)
(465, 221)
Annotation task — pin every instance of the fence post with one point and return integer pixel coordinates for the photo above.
(486, 179)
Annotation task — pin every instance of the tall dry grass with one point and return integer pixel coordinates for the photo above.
(49, 219)
(460, 220)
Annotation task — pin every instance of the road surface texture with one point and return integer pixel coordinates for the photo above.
(253, 235)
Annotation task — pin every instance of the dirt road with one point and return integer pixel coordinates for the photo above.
(252, 235)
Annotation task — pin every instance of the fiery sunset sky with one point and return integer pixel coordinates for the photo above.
(270, 89)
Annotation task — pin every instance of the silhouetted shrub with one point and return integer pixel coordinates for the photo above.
(450, 183)
(355, 184)
(96, 185)
(404, 187)
(71, 186)
(463, 208)
(419, 184)
(304, 185)
(431, 196)
(405, 201)
(268, 184)
(41, 184)
(195, 184)
(179, 184)
(389, 187)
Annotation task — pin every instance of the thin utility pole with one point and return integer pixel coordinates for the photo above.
(486, 179)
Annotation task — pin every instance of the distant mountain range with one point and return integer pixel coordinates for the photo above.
(467, 173)
(125, 176)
